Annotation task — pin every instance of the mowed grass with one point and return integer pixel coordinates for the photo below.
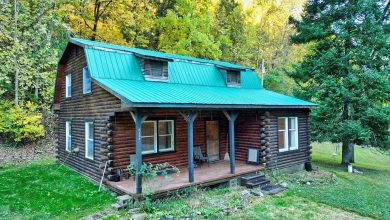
(46, 190)
(367, 194)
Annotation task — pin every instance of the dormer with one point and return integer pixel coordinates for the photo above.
(232, 77)
(154, 69)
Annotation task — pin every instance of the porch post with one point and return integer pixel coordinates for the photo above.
(138, 119)
(190, 118)
(232, 118)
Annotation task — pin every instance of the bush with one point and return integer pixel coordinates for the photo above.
(20, 123)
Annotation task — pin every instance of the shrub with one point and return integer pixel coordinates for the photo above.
(20, 123)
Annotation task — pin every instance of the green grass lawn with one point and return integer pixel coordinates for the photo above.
(46, 190)
(367, 194)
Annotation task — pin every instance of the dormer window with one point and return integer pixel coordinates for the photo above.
(155, 70)
(233, 77)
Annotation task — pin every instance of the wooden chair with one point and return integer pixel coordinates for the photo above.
(199, 158)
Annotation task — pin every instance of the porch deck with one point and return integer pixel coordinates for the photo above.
(217, 172)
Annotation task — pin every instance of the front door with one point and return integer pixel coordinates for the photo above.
(212, 136)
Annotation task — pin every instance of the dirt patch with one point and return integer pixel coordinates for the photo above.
(27, 153)
(315, 178)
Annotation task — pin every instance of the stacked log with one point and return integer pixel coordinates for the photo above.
(56, 136)
(264, 138)
(107, 150)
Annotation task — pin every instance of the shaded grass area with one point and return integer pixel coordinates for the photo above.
(367, 194)
(46, 190)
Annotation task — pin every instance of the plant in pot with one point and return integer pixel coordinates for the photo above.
(165, 169)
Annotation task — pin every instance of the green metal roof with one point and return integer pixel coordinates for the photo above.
(192, 82)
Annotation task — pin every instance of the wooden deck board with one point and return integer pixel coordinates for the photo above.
(216, 172)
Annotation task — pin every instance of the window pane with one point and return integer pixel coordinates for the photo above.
(165, 127)
(281, 123)
(157, 68)
(148, 128)
(90, 130)
(90, 148)
(148, 144)
(165, 142)
(292, 139)
(281, 139)
(292, 122)
(86, 81)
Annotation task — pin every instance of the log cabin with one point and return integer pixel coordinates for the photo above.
(113, 102)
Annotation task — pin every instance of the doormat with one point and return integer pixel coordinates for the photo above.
(271, 189)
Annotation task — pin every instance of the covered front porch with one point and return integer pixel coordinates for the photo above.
(217, 172)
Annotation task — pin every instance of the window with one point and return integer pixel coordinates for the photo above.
(68, 86)
(155, 71)
(287, 133)
(86, 81)
(158, 136)
(89, 142)
(68, 136)
(233, 78)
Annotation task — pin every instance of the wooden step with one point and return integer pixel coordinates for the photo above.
(245, 179)
(260, 182)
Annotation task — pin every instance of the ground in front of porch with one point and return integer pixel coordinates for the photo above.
(47, 190)
(205, 175)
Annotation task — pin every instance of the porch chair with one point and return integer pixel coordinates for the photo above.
(199, 158)
(133, 161)
(253, 156)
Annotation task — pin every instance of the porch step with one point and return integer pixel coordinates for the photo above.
(254, 180)
(246, 179)
(257, 183)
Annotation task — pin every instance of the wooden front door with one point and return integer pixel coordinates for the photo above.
(212, 136)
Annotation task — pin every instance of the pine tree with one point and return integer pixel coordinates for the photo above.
(347, 73)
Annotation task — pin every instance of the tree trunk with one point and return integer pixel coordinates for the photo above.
(352, 149)
(347, 152)
(17, 87)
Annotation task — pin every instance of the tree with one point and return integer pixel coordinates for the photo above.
(186, 30)
(231, 32)
(347, 73)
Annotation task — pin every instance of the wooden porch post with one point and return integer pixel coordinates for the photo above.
(138, 119)
(232, 118)
(190, 118)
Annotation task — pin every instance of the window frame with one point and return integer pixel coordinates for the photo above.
(156, 135)
(68, 134)
(86, 137)
(85, 70)
(287, 130)
(68, 85)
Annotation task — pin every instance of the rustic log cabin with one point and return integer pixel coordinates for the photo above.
(117, 105)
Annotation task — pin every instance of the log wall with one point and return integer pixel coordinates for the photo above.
(98, 106)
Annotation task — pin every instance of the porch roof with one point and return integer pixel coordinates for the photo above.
(169, 95)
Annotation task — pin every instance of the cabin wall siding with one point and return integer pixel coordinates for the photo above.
(295, 157)
(98, 105)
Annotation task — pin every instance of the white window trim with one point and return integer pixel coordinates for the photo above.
(154, 138)
(86, 130)
(84, 81)
(172, 136)
(296, 134)
(68, 86)
(286, 134)
(68, 134)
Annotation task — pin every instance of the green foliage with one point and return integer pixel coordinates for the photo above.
(348, 72)
(20, 123)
